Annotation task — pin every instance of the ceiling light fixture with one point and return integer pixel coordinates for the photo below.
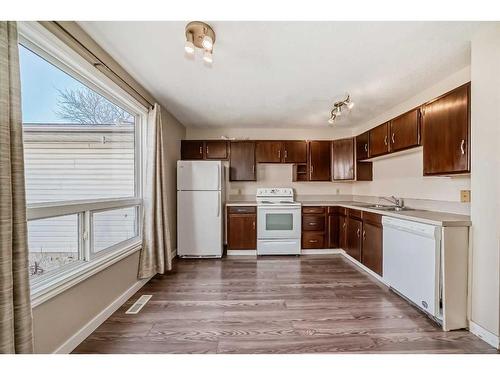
(200, 35)
(338, 108)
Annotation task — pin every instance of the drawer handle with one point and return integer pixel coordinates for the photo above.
(462, 144)
(312, 223)
(313, 241)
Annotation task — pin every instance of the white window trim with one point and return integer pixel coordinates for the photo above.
(41, 40)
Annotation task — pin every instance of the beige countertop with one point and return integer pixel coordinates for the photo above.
(444, 219)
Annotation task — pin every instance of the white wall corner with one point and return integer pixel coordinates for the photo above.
(484, 334)
(69, 345)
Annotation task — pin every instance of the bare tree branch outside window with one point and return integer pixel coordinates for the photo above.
(84, 106)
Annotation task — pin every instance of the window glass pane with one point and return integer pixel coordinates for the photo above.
(77, 144)
(52, 243)
(279, 221)
(113, 226)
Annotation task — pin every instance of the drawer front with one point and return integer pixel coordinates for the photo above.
(333, 209)
(342, 211)
(242, 209)
(313, 222)
(313, 210)
(355, 213)
(372, 218)
(313, 240)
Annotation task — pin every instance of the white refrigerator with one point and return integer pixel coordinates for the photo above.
(200, 203)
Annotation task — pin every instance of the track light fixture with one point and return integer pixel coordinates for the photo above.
(200, 35)
(339, 107)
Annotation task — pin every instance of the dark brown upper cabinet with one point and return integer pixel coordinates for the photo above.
(379, 140)
(445, 133)
(216, 150)
(343, 159)
(242, 161)
(269, 151)
(405, 131)
(198, 150)
(362, 144)
(192, 150)
(294, 152)
(319, 160)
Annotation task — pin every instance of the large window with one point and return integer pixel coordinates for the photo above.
(82, 164)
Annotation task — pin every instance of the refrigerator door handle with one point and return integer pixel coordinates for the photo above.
(218, 178)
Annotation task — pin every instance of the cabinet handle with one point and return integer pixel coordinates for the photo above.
(312, 169)
(385, 140)
(253, 169)
(364, 234)
(358, 232)
(286, 154)
(201, 150)
(279, 154)
(207, 149)
(462, 146)
(393, 140)
(366, 147)
(253, 224)
(343, 225)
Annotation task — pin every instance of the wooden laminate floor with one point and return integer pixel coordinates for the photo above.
(308, 304)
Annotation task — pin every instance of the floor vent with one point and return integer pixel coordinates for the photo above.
(139, 304)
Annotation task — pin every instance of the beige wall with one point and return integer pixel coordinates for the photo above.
(56, 320)
(485, 205)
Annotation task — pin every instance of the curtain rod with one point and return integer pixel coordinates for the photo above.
(99, 63)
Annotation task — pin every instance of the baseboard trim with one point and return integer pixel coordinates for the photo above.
(364, 268)
(484, 334)
(75, 340)
(252, 253)
(321, 251)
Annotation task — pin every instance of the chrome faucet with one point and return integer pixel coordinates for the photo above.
(398, 202)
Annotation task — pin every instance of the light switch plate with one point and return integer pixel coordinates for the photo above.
(464, 196)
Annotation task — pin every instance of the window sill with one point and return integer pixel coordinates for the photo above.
(43, 291)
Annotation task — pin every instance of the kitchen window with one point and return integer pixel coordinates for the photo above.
(82, 146)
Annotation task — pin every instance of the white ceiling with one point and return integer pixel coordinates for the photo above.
(286, 74)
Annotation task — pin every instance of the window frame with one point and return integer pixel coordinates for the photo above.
(37, 38)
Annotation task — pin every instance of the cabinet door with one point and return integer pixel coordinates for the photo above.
(404, 131)
(379, 140)
(319, 159)
(362, 144)
(268, 151)
(333, 231)
(372, 247)
(343, 232)
(294, 152)
(191, 150)
(242, 161)
(241, 232)
(343, 159)
(216, 150)
(445, 133)
(354, 228)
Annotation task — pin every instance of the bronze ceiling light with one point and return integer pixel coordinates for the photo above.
(339, 107)
(200, 35)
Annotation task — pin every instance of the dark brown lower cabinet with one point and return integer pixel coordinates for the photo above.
(342, 230)
(314, 227)
(241, 228)
(333, 228)
(354, 228)
(372, 246)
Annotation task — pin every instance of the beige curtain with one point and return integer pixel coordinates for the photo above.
(156, 246)
(16, 334)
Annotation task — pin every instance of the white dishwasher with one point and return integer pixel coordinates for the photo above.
(411, 261)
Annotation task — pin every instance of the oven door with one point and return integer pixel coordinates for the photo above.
(275, 222)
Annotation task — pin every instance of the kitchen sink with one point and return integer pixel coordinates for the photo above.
(390, 208)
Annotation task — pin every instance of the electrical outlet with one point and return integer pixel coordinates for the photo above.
(464, 196)
(337, 191)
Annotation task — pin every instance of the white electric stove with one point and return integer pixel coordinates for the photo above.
(278, 222)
